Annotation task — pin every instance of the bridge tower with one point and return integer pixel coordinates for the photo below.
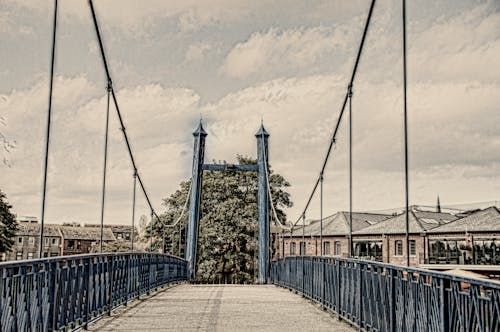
(194, 201)
(263, 198)
(263, 202)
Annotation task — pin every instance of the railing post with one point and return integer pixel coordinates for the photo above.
(392, 298)
(52, 319)
(444, 302)
(86, 276)
(323, 262)
(110, 282)
(338, 288)
(360, 296)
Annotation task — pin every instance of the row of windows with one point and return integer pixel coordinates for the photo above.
(398, 247)
(361, 249)
(31, 240)
(337, 246)
(19, 255)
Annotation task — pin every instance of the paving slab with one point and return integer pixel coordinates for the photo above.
(222, 308)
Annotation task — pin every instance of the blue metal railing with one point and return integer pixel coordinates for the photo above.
(71, 291)
(381, 297)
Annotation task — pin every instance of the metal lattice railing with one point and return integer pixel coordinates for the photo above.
(66, 292)
(382, 297)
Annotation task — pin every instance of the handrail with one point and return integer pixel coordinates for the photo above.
(383, 297)
(71, 291)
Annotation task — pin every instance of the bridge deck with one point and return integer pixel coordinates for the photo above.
(222, 308)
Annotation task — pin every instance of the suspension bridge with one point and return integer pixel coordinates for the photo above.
(152, 291)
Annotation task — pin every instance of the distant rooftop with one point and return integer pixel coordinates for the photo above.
(487, 220)
(338, 224)
(419, 221)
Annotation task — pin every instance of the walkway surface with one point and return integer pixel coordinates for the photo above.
(222, 308)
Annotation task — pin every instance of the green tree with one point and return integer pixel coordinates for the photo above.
(8, 224)
(227, 245)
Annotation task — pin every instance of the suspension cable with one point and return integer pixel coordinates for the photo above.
(273, 209)
(108, 89)
(115, 101)
(47, 138)
(349, 92)
(407, 217)
(304, 233)
(183, 208)
(133, 208)
(321, 214)
(334, 135)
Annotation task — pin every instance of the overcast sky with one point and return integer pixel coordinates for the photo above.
(233, 63)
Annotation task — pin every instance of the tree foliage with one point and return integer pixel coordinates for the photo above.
(8, 224)
(228, 230)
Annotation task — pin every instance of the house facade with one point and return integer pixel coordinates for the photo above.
(472, 237)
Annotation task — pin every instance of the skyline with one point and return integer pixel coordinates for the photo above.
(235, 63)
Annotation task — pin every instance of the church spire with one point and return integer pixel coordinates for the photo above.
(438, 206)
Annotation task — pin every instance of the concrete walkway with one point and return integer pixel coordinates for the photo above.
(222, 308)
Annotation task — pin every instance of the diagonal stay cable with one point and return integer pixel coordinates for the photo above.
(115, 101)
(47, 138)
(342, 109)
(183, 208)
(279, 223)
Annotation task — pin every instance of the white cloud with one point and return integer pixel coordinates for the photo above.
(151, 114)
(280, 50)
(293, 77)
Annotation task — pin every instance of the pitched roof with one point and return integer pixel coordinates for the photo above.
(338, 223)
(32, 229)
(419, 221)
(86, 233)
(487, 220)
(114, 228)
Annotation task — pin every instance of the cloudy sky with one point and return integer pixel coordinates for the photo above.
(233, 63)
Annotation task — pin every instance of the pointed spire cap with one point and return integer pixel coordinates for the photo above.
(262, 131)
(199, 131)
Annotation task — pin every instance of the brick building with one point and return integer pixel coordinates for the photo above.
(471, 237)
(79, 240)
(26, 241)
(59, 240)
(335, 235)
(386, 240)
(121, 232)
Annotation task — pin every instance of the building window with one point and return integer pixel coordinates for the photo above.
(292, 248)
(413, 248)
(54, 241)
(19, 256)
(398, 248)
(371, 250)
(32, 240)
(302, 248)
(20, 240)
(46, 242)
(30, 255)
(337, 247)
(326, 248)
(71, 244)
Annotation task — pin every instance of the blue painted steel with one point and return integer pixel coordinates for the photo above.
(194, 201)
(230, 167)
(66, 292)
(382, 297)
(263, 203)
